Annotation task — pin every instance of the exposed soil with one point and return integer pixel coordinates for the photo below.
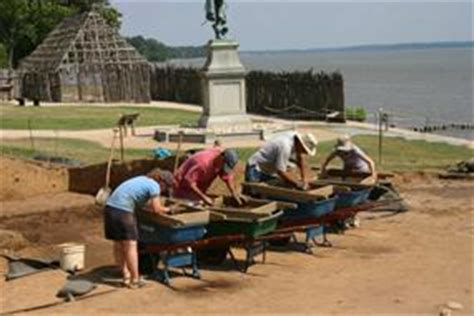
(410, 263)
(21, 180)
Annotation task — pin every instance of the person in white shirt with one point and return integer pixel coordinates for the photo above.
(273, 158)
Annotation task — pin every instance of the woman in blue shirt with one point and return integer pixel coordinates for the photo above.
(120, 221)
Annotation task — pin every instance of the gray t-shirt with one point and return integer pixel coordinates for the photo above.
(274, 154)
(353, 160)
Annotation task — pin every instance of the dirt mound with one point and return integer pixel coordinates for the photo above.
(47, 203)
(12, 240)
(24, 178)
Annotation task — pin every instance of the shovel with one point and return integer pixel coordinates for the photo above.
(104, 192)
(178, 152)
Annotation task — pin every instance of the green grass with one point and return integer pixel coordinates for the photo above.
(75, 117)
(398, 154)
(85, 151)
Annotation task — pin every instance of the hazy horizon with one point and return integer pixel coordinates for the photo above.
(282, 25)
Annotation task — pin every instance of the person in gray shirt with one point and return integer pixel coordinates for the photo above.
(273, 158)
(353, 158)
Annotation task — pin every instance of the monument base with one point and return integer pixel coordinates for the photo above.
(200, 135)
(225, 121)
(223, 87)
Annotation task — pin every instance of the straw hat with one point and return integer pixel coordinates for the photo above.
(344, 143)
(309, 143)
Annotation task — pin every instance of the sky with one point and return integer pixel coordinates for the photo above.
(285, 24)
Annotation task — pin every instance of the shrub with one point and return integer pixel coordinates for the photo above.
(356, 114)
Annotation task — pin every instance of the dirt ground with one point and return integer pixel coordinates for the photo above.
(410, 263)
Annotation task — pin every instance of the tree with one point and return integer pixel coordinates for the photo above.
(150, 48)
(110, 14)
(25, 23)
(3, 57)
(156, 51)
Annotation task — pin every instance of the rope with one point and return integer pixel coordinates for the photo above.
(288, 110)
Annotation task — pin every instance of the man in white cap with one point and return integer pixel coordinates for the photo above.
(354, 159)
(273, 159)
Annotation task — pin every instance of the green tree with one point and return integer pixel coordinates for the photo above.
(150, 48)
(110, 14)
(3, 57)
(156, 51)
(25, 23)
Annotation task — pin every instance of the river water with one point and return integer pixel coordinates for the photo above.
(417, 86)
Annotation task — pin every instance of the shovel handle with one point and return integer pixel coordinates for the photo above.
(109, 162)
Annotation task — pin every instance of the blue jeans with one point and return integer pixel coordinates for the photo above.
(252, 174)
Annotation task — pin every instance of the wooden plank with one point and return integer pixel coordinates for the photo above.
(341, 183)
(339, 173)
(325, 191)
(185, 216)
(270, 191)
(236, 214)
(267, 208)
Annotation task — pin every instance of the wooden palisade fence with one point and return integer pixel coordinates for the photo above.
(300, 95)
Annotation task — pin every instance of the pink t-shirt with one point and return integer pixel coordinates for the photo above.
(201, 170)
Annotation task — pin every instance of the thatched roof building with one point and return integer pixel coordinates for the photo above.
(85, 59)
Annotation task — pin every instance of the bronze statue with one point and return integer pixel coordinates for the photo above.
(215, 13)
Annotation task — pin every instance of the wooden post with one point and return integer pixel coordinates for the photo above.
(178, 151)
(380, 117)
(122, 158)
(31, 135)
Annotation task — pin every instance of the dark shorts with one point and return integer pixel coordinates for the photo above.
(119, 224)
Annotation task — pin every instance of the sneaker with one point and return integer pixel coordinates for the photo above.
(126, 281)
(133, 285)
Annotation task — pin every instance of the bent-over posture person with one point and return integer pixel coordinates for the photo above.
(120, 220)
(353, 158)
(272, 160)
(194, 177)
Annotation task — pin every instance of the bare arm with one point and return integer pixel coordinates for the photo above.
(287, 177)
(327, 161)
(301, 163)
(236, 195)
(370, 162)
(201, 194)
(157, 207)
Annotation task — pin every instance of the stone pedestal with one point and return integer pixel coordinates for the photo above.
(223, 87)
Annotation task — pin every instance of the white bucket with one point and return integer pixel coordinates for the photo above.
(71, 256)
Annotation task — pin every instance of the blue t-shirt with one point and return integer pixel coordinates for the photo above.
(134, 193)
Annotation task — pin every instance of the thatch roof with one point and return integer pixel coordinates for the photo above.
(85, 39)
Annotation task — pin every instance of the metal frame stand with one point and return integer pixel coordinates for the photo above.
(252, 250)
(310, 238)
(174, 259)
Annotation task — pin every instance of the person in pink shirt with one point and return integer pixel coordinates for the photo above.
(194, 177)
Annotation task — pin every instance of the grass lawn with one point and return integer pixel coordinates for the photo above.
(75, 117)
(85, 151)
(398, 154)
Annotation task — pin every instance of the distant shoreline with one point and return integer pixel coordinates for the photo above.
(370, 47)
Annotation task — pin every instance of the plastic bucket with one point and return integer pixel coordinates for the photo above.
(71, 256)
